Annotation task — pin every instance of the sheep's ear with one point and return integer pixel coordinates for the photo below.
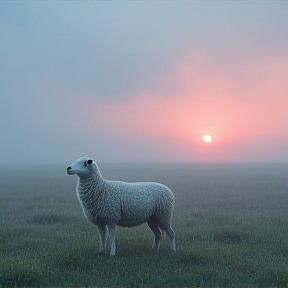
(90, 161)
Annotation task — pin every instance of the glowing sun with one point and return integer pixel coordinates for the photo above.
(207, 138)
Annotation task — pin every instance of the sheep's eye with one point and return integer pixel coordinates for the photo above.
(85, 164)
(90, 161)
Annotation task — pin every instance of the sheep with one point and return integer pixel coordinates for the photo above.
(111, 203)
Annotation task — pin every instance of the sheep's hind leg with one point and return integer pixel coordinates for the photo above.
(153, 224)
(171, 235)
(112, 229)
(102, 244)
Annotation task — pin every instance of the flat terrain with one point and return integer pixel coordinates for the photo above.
(231, 225)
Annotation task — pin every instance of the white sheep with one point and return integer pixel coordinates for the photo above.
(111, 203)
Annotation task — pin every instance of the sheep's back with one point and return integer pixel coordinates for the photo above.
(139, 201)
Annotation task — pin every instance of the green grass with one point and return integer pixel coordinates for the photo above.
(231, 225)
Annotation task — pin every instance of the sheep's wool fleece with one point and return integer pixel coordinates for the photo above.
(126, 204)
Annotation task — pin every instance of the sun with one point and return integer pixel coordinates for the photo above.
(207, 138)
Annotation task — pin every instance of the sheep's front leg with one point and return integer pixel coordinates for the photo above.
(102, 232)
(112, 229)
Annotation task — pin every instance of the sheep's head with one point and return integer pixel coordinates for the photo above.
(83, 166)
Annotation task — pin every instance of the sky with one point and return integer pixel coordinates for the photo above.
(143, 81)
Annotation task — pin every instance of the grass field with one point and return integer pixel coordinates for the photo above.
(231, 225)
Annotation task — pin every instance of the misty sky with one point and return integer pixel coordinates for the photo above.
(140, 81)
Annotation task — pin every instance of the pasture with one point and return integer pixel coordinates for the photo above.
(230, 220)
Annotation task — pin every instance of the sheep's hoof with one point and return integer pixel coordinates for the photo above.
(102, 253)
(154, 250)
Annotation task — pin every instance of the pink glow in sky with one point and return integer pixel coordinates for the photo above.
(245, 113)
(140, 81)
